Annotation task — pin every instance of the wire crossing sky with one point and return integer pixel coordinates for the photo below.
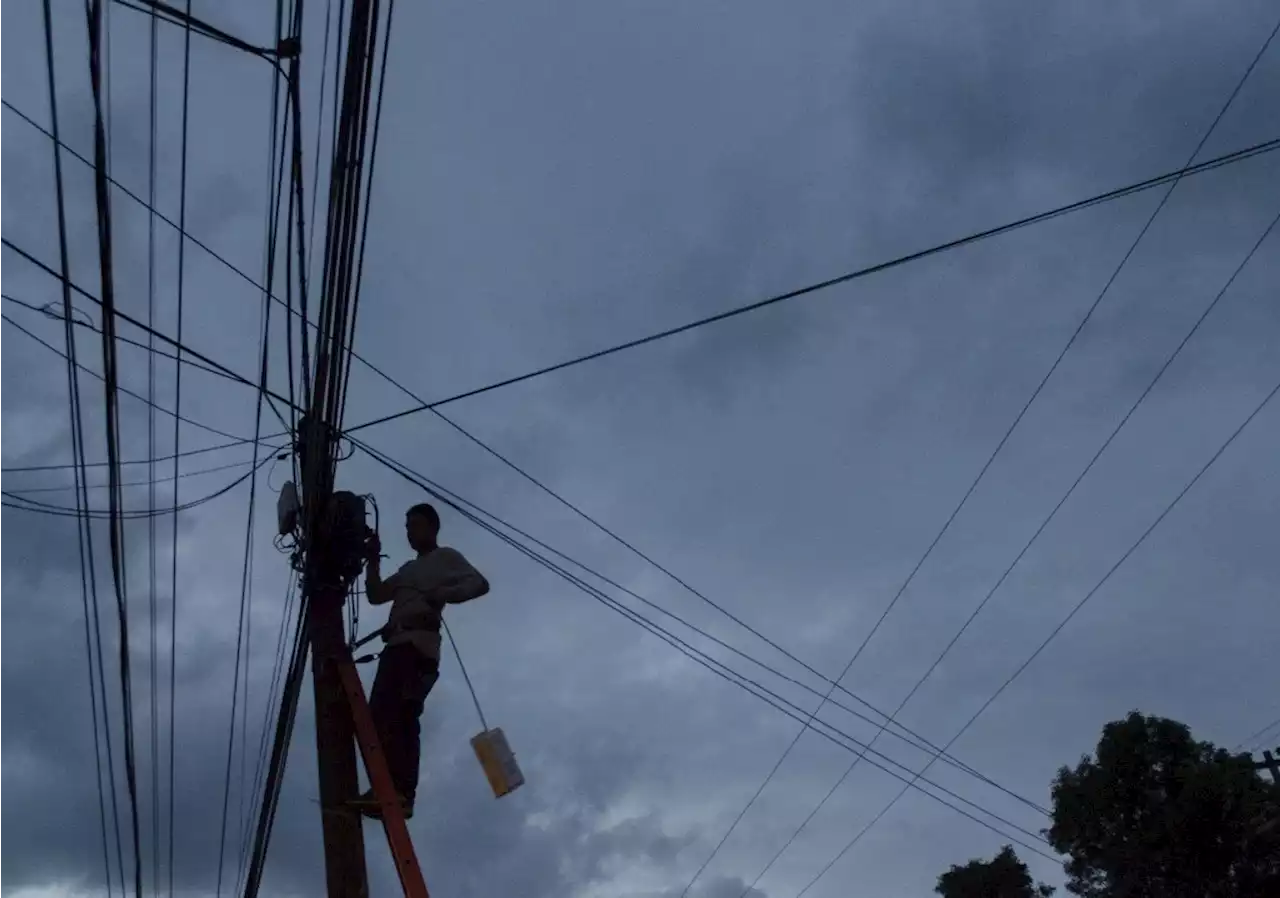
(556, 186)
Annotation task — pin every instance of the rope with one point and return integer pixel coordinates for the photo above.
(457, 654)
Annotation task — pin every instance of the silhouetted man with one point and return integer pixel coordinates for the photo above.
(410, 663)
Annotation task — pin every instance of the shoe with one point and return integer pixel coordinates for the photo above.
(368, 805)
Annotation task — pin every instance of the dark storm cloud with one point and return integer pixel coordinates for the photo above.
(554, 179)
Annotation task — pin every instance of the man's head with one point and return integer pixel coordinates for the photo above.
(422, 527)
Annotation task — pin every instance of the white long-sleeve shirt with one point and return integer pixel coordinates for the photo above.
(419, 591)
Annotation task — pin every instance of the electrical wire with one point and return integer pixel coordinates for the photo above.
(88, 578)
(275, 177)
(912, 738)
(612, 534)
(138, 396)
(368, 192)
(695, 654)
(147, 483)
(1042, 527)
(48, 311)
(32, 505)
(244, 631)
(915, 739)
(1066, 620)
(1228, 159)
(19, 469)
(453, 500)
(258, 784)
(177, 439)
(153, 567)
(274, 777)
(163, 12)
(116, 540)
(89, 326)
(609, 532)
(1258, 738)
(335, 333)
(973, 486)
(352, 328)
(1232, 158)
(176, 343)
(1088, 467)
(315, 174)
(352, 316)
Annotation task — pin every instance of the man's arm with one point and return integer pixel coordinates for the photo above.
(464, 584)
(377, 591)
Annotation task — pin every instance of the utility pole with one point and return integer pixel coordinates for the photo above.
(335, 534)
(344, 860)
(1269, 764)
(336, 530)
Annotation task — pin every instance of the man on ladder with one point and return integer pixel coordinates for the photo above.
(410, 664)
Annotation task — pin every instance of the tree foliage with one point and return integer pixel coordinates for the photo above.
(1004, 876)
(1156, 814)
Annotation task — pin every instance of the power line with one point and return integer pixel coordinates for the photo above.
(116, 540)
(716, 666)
(234, 442)
(919, 742)
(177, 442)
(19, 469)
(147, 483)
(119, 339)
(163, 12)
(325, 400)
(1258, 738)
(277, 669)
(84, 534)
(244, 619)
(176, 343)
(153, 570)
(1057, 507)
(1000, 445)
(451, 498)
(32, 505)
(368, 192)
(1039, 530)
(1119, 193)
(126, 391)
(117, 314)
(279, 752)
(1228, 159)
(612, 534)
(1066, 620)
(916, 740)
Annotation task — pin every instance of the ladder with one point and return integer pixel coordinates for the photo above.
(375, 763)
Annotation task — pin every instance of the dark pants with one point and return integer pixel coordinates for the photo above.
(400, 688)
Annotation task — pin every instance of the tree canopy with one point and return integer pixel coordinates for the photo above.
(1157, 814)
(1004, 876)
(1153, 813)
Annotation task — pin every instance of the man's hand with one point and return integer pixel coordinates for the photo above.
(373, 586)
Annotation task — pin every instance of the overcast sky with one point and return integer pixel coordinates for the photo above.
(555, 177)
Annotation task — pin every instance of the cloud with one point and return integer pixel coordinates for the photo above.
(553, 179)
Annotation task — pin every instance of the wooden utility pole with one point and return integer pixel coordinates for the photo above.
(334, 535)
(344, 861)
(336, 528)
(1269, 764)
